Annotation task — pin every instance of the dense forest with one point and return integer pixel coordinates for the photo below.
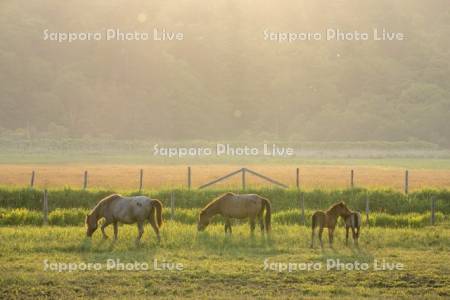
(224, 80)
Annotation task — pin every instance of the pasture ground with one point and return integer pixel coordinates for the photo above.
(217, 266)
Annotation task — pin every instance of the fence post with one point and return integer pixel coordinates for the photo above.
(433, 209)
(303, 208)
(33, 174)
(189, 179)
(85, 181)
(243, 178)
(45, 207)
(172, 205)
(406, 182)
(352, 174)
(141, 177)
(298, 179)
(367, 209)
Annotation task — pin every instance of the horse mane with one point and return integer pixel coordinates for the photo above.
(105, 201)
(335, 205)
(212, 202)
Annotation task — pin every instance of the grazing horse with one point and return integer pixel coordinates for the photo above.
(353, 221)
(236, 206)
(127, 210)
(328, 219)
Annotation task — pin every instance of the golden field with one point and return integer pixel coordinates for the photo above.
(115, 176)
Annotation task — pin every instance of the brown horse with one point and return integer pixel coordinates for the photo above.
(328, 219)
(236, 206)
(127, 210)
(353, 221)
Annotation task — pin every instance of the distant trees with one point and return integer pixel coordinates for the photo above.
(224, 81)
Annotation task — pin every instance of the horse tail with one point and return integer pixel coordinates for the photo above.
(358, 222)
(266, 205)
(353, 220)
(157, 207)
(313, 221)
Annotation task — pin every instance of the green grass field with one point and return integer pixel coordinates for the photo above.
(224, 267)
(217, 266)
(380, 200)
(76, 217)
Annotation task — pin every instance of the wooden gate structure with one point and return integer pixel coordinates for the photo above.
(243, 172)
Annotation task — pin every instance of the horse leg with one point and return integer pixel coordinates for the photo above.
(227, 225)
(116, 230)
(261, 223)
(346, 235)
(107, 222)
(355, 236)
(252, 226)
(330, 236)
(140, 231)
(155, 229)
(320, 235)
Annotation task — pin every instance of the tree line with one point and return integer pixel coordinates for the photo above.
(224, 80)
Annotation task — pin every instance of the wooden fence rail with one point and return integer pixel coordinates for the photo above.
(189, 178)
(244, 179)
(33, 175)
(220, 179)
(141, 178)
(243, 172)
(406, 181)
(85, 180)
(45, 207)
(433, 210)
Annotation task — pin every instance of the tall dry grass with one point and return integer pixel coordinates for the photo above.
(109, 176)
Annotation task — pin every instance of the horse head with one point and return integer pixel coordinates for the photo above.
(91, 222)
(342, 209)
(203, 220)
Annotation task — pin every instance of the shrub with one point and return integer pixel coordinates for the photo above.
(388, 201)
